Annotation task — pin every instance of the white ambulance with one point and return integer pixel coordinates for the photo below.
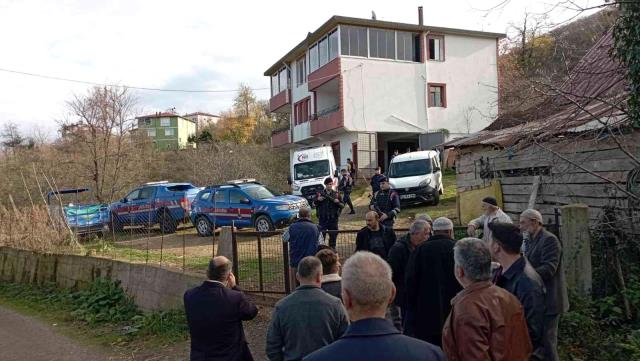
(309, 168)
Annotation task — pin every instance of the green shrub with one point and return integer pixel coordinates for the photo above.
(104, 301)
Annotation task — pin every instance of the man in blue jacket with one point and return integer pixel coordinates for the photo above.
(303, 236)
(367, 289)
(215, 311)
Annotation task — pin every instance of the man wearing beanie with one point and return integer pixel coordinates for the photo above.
(490, 213)
(519, 278)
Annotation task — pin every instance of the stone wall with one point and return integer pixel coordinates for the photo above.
(151, 288)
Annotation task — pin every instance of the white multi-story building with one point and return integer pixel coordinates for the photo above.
(202, 119)
(368, 87)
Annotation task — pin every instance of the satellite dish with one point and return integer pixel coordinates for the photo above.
(373, 15)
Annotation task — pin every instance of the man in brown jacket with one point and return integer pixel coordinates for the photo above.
(486, 323)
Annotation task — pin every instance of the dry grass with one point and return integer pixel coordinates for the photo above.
(34, 229)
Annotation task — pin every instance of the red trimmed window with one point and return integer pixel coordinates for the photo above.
(437, 95)
(301, 111)
(435, 48)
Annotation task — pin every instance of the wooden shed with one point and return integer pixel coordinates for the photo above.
(579, 146)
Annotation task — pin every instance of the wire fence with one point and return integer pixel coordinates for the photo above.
(261, 261)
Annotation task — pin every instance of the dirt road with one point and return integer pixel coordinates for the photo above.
(24, 338)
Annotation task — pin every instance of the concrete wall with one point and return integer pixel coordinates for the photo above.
(383, 95)
(471, 76)
(151, 288)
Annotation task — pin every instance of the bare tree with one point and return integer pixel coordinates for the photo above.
(99, 123)
(11, 137)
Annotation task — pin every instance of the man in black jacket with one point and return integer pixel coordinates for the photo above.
(544, 252)
(431, 284)
(519, 278)
(215, 311)
(329, 206)
(386, 203)
(419, 232)
(375, 237)
(345, 185)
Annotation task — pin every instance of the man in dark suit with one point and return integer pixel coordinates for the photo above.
(215, 311)
(367, 289)
(544, 251)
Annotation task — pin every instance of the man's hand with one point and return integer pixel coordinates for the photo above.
(383, 217)
(320, 198)
(231, 280)
(471, 230)
(336, 201)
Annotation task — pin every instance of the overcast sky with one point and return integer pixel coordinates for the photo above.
(182, 45)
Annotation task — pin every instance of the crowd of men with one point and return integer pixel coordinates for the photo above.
(422, 296)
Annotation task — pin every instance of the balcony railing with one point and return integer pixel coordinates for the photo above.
(280, 138)
(327, 119)
(278, 101)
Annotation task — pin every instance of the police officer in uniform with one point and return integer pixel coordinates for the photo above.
(328, 207)
(386, 203)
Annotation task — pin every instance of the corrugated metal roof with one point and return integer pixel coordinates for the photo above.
(590, 99)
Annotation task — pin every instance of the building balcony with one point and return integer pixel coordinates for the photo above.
(281, 138)
(326, 73)
(280, 103)
(327, 121)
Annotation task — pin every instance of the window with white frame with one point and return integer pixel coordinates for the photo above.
(165, 122)
(323, 54)
(151, 132)
(408, 46)
(313, 58)
(333, 44)
(274, 85)
(353, 40)
(301, 71)
(169, 132)
(283, 79)
(382, 43)
(435, 48)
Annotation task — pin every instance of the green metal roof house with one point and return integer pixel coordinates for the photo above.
(167, 130)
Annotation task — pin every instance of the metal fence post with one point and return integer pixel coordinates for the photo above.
(556, 216)
(260, 270)
(285, 258)
(234, 252)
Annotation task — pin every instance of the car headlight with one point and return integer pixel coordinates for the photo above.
(284, 207)
(425, 182)
(296, 187)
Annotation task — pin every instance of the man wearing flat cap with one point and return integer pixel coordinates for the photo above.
(544, 252)
(490, 213)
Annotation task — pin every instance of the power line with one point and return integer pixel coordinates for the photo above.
(123, 86)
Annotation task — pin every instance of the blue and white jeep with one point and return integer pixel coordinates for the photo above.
(243, 203)
(164, 203)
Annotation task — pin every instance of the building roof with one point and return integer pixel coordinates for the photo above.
(591, 98)
(163, 114)
(202, 113)
(335, 20)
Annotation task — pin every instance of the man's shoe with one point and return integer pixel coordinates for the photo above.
(352, 212)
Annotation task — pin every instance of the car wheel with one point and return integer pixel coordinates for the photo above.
(116, 225)
(436, 198)
(263, 224)
(203, 226)
(167, 223)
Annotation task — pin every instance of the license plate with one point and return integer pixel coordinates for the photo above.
(407, 196)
